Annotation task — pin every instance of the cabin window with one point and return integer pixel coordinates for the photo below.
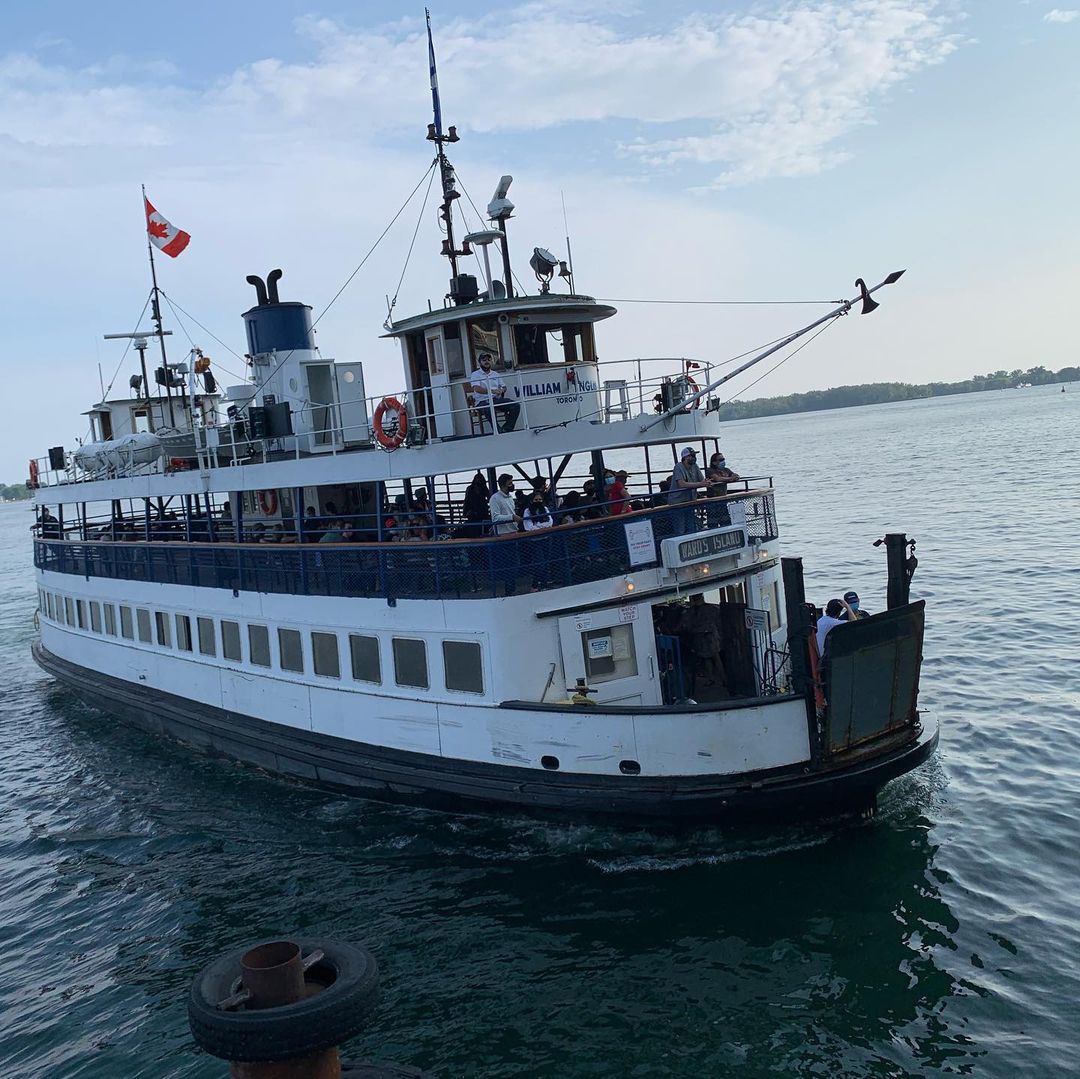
(364, 652)
(205, 628)
(324, 655)
(463, 667)
(49, 605)
(140, 420)
(259, 645)
(609, 653)
(142, 621)
(291, 650)
(230, 641)
(110, 619)
(95, 616)
(41, 600)
(484, 337)
(126, 629)
(80, 608)
(410, 663)
(183, 633)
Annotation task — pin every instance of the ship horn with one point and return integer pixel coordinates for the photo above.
(868, 302)
(260, 289)
(272, 278)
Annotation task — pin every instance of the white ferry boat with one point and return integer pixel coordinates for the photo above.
(299, 576)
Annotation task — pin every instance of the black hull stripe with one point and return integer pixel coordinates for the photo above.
(437, 782)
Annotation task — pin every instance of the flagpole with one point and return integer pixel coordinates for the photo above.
(155, 307)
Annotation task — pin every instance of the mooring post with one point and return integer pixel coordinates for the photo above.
(899, 579)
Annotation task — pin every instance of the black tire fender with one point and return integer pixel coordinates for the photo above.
(350, 977)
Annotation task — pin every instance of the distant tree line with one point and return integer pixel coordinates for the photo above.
(878, 393)
(15, 492)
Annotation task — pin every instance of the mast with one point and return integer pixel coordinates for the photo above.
(446, 170)
(155, 308)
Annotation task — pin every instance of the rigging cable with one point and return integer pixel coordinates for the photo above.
(812, 337)
(412, 242)
(727, 303)
(360, 265)
(221, 367)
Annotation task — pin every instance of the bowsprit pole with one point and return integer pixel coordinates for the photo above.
(843, 308)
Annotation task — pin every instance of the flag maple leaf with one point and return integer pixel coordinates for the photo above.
(157, 228)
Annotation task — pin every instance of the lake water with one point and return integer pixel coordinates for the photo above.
(939, 937)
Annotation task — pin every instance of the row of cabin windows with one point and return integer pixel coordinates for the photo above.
(462, 663)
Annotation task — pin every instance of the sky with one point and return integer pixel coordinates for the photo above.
(740, 151)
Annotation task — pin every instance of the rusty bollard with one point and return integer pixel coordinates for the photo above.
(280, 1010)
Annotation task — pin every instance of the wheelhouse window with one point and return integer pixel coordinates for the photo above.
(291, 650)
(183, 633)
(410, 662)
(324, 654)
(463, 667)
(142, 620)
(536, 343)
(207, 642)
(484, 337)
(230, 641)
(259, 645)
(364, 653)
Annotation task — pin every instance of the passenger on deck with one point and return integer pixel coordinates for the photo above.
(618, 500)
(536, 515)
(490, 391)
(718, 474)
(570, 510)
(702, 622)
(834, 616)
(852, 600)
(332, 534)
(501, 504)
(686, 479)
(593, 506)
(475, 506)
(661, 496)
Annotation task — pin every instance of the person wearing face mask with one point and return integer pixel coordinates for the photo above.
(853, 610)
(504, 519)
(536, 515)
(686, 479)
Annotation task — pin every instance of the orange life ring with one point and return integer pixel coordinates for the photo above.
(692, 385)
(268, 502)
(33, 482)
(391, 442)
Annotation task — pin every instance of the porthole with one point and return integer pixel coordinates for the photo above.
(630, 768)
(551, 763)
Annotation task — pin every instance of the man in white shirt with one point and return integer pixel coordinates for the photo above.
(831, 619)
(501, 505)
(489, 390)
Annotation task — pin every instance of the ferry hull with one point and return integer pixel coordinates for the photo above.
(847, 784)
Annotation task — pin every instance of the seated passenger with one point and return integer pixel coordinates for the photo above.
(490, 392)
(332, 534)
(837, 613)
(570, 510)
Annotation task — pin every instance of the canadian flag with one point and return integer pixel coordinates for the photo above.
(163, 235)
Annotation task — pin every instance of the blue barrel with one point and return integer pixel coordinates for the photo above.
(281, 326)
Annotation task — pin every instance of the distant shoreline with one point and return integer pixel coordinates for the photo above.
(883, 393)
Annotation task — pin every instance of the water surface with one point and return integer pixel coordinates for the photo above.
(938, 938)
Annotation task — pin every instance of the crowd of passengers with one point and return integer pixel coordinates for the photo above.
(483, 512)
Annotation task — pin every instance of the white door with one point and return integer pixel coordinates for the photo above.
(614, 650)
(438, 372)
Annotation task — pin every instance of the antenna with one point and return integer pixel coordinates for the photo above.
(500, 210)
(569, 251)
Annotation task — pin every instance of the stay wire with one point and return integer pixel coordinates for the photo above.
(220, 366)
(479, 215)
(412, 242)
(728, 303)
(360, 266)
(794, 352)
(127, 349)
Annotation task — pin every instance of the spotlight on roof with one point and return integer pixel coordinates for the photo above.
(544, 265)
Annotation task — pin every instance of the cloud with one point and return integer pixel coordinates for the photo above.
(1059, 16)
(762, 95)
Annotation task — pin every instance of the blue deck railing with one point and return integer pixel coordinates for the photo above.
(451, 569)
